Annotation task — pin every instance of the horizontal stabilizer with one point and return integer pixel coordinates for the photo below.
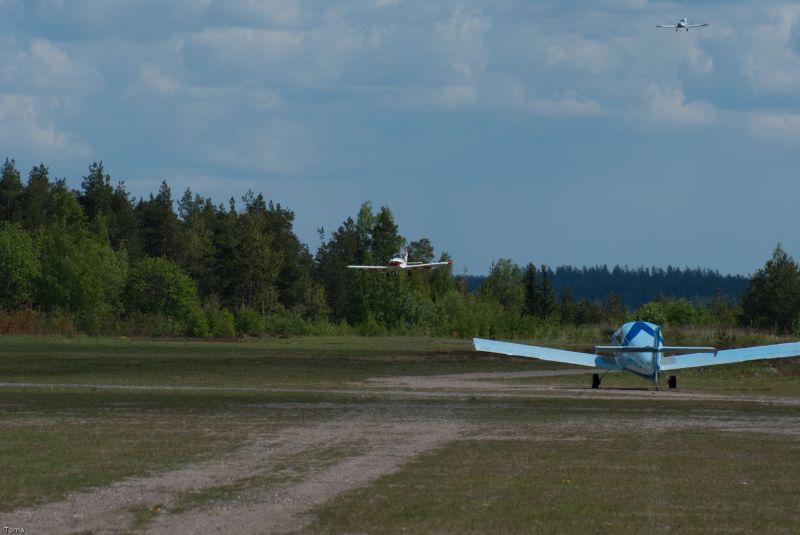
(731, 356)
(673, 350)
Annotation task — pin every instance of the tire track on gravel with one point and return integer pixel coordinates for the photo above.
(109, 509)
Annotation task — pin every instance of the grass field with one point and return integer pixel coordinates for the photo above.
(294, 434)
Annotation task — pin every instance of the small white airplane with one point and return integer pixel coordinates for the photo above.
(639, 348)
(400, 261)
(682, 24)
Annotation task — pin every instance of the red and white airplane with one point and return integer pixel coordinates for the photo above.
(682, 24)
(400, 261)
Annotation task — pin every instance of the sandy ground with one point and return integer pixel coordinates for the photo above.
(476, 384)
(382, 447)
(371, 445)
(482, 384)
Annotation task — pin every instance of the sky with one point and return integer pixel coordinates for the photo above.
(559, 133)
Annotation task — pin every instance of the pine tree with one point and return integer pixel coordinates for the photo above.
(547, 297)
(159, 224)
(97, 192)
(385, 239)
(36, 198)
(531, 290)
(772, 297)
(10, 193)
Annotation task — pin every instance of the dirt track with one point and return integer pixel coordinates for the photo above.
(372, 443)
(383, 447)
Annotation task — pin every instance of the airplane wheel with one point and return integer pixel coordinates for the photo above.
(595, 380)
(672, 382)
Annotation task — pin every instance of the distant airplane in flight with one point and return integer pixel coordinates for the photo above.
(639, 348)
(682, 24)
(400, 261)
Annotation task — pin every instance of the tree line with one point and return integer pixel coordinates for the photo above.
(637, 286)
(97, 260)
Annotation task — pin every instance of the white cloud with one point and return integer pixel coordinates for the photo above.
(783, 126)
(464, 45)
(44, 67)
(626, 4)
(274, 11)
(453, 96)
(565, 103)
(576, 53)
(22, 128)
(386, 3)
(194, 6)
(248, 46)
(700, 61)
(769, 61)
(668, 105)
(284, 147)
(331, 46)
(153, 80)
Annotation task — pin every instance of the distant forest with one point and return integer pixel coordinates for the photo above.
(97, 260)
(640, 285)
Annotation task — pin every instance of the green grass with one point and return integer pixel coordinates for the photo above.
(775, 378)
(53, 455)
(255, 363)
(58, 441)
(537, 464)
(631, 482)
(290, 469)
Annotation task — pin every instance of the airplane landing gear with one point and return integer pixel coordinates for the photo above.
(595, 380)
(672, 382)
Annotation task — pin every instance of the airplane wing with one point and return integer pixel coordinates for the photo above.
(672, 26)
(545, 353)
(730, 356)
(430, 265)
(381, 268)
(697, 25)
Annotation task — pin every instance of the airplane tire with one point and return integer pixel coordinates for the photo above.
(595, 380)
(672, 382)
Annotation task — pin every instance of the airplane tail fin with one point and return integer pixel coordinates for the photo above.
(405, 253)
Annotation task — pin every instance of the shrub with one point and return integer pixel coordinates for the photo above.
(285, 323)
(152, 325)
(220, 321)
(249, 322)
(19, 266)
(22, 321)
(371, 327)
(158, 286)
(57, 322)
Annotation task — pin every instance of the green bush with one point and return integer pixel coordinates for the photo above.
(323, 327)
(654, 312)
(284, 323)
(249, 322)
(19, 265)
(152, 325)
(670, 311)
(158, 286)
(371, 327)
(220, 321)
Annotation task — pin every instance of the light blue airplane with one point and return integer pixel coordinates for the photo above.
(639, 348)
